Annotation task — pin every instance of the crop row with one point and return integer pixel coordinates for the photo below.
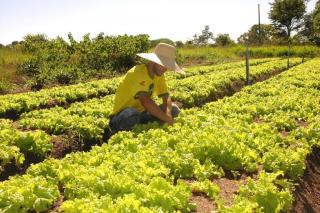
(144, 170)
(86, 120)
(13, 105)
(90, 119)
(199, 88)
(15, 144)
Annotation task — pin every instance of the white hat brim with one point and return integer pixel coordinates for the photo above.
(163, 61)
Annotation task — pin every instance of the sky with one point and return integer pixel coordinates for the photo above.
(173, 19)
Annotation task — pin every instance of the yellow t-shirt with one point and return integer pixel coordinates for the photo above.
(138, 80)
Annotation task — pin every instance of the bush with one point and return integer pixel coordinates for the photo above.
(224, 40)
(30, 67)
(67, 62)
(68, 75)
(4, 85)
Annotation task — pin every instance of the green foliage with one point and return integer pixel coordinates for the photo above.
(316, 20)
(14, 43)
(204, 38)
(25, 102)
(254, 37)
(15, 144)
(12, 55)
(214, 55)
(307, 32)
(33, 42)
(207, 187)
(224, 40)
(217, 82)
(286, 15)
(30, 67)
(55, 60)
(179, 44)
(38, 194)
(4, 85)
(89, 119)
(268, 194)
(144, 170)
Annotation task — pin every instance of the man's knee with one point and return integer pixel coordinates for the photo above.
(125, 119)
(175, 110)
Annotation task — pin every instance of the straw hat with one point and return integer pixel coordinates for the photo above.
(164, 54)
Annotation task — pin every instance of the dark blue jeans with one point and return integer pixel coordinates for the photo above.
(128, 117)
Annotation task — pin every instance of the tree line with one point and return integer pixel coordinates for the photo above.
(289, 22)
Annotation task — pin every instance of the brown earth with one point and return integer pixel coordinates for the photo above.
(307, 194)
(203, 203)
(228, 189)
(12, 169)
(64, 144)
(58, 203)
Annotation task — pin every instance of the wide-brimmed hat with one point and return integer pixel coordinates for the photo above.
(164, 54)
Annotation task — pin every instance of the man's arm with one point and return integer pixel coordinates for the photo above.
(167, 104)
(153, 108)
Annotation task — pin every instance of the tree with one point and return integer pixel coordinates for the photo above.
(14, 43)
(204, 38)
(316, 20)
(267, 35)
(34, 42)
(224, 40)
(306, 33)
(179, 44)
(286, 15)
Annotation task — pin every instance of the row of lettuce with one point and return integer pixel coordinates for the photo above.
(15, 144)
(90, 119)
(13, 105)
(86, 120)
(267, 129)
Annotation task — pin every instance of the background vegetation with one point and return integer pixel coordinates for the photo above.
(39, 61)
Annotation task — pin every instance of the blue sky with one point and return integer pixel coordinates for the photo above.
(174, 19)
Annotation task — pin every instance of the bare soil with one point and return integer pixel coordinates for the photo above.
(64, 144)
(203, 203)
(228, 189)
(307, 194)
(58, 203)
(12, 169)
(302, 123)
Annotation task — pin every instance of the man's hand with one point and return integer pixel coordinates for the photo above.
(170, 121)
(154, 110)
(167, 105)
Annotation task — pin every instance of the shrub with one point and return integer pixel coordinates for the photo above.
(67, 62)
(4, 85)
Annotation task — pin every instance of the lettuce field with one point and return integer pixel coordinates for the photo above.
(233, 147)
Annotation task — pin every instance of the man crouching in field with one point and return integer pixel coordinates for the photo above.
(133, 103)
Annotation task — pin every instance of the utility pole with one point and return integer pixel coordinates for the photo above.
(260, 40)
(289, 47)
(247, 65)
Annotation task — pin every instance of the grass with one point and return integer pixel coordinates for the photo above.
(9, 60)
(12, 56)
(213, 55)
